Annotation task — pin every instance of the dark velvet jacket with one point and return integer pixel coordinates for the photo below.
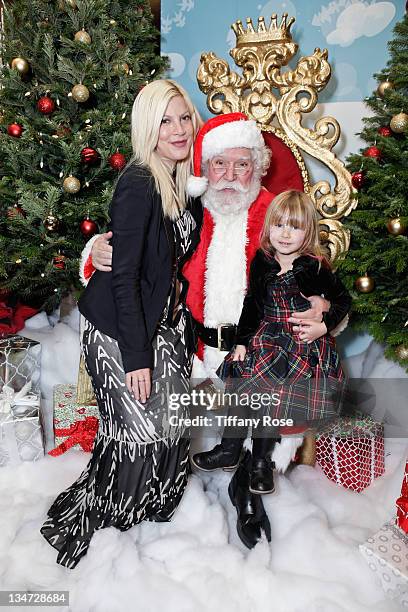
(311, 281)
(127, 303)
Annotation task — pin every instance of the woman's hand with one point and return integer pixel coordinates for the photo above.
(310, 330)
(239, 353)
(139, 384)
(101, 253)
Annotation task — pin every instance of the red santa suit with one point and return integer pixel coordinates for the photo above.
(218, 274)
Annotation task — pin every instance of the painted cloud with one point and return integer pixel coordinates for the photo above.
(355, 20)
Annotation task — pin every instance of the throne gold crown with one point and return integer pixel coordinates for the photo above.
(274, 33)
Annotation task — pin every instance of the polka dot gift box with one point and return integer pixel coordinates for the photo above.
(386, 553)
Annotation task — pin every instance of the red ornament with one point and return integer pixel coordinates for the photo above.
(46, 105)
(89, 156)
(63, 131)
(59, 262)
(358, 179)
(88, 227)
(117, 161)
(385, 131)
(373, 152)
(15, 211)
(15, 130)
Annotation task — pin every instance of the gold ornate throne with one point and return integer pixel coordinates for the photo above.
(277, 101)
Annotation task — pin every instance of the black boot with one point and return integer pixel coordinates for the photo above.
(252, 518)
(261, 480)
(225, 455)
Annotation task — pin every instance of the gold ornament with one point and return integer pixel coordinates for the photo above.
(399, 123)
(80, 93)
(401, 352)
(71, 184)
(83, 37)
(383, 87)
(51, 223)
(120, 68)
(278, 100)
(396, 226)
(63, 4)
(365, 284)
(20, 64)
(112, 22)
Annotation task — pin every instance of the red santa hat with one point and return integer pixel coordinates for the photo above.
(229, 131)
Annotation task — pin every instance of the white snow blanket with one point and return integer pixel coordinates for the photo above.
(196, 563)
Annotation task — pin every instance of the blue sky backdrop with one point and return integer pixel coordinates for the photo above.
(355, 32)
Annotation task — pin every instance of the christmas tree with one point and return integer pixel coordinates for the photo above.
(71, 70)
(375, 268)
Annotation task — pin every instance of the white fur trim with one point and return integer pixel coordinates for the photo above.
(198, 372)
(233, 135)
(213, 358)
(196, 185)
(84, 258)
(340, 327)
(225, 270)
(285, 451)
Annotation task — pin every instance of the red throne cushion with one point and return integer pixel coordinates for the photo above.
(283, 173)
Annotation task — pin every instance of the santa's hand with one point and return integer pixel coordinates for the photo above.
(310, 330)
(318, 306)
(101, 253)
(239, 353)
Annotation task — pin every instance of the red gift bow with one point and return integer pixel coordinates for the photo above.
(402, 513)
(81, 432)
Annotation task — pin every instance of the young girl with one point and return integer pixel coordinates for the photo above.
(298, 364)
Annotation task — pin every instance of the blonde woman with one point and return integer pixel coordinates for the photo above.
(136, 339)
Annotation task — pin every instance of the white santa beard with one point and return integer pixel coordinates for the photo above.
(229, 204)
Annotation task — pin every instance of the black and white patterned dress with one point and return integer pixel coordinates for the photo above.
(139, 464)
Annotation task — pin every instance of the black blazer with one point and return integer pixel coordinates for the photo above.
(127, 303)
(311, 281)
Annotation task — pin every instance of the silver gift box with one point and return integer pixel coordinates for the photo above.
(386, 553)
(21, 434)
(20, 362)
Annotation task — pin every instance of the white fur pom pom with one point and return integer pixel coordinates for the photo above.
(196, 185)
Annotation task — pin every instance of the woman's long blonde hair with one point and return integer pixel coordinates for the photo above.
(298, 210)
(148, 109)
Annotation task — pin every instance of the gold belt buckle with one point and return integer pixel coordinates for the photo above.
(219, 336)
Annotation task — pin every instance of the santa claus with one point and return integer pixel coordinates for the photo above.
(230, 158)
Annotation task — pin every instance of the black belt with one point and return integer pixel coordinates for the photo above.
(221, 337)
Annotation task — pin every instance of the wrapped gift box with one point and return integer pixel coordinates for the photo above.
(351, 451)
(20, 362)
(75, 425)
(387, 555)
(402, 503)
(21, 432)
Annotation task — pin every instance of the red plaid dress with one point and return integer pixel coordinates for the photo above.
(308, 377)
